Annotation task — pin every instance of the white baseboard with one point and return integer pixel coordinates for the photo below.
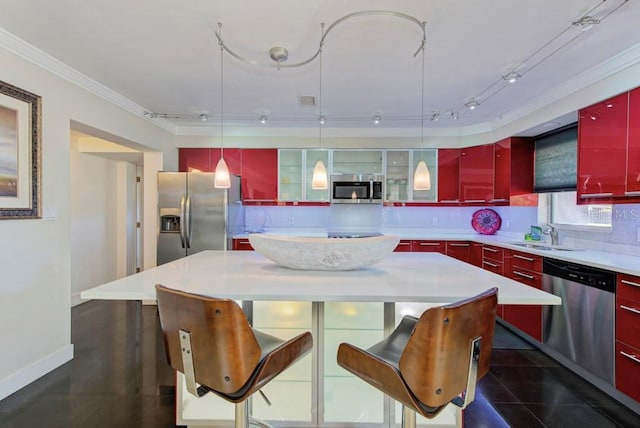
(30, 373)
(76, 299)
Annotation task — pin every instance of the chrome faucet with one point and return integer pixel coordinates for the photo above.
(553, 233)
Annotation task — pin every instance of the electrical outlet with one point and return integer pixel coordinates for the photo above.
(292, 220)
(434, 221)
(507, 224)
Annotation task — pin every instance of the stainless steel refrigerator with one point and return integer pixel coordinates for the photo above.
(194, 215)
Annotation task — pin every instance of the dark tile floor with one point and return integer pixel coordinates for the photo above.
(116, 378)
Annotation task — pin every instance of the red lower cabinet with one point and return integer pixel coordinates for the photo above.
(422, 246)
(404, 246)
(460, 250)
(628, 335)
(242, 244)
(527, 269)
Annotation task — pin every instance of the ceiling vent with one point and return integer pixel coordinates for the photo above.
(307, 100)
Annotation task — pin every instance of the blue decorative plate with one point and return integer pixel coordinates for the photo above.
(486, 221)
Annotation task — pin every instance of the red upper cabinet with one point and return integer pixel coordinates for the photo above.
(633, 145)
(513, 168)
(190, 159)
(233, 158)
(448, 175)
(476, 174)
(602, 149)
(259, 174)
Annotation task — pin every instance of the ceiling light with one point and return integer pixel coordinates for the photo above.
(221, 179)
(263, 119)
(376, 119)
(586, 23)
(203, 117)
(471, 105)
(455, 115)
(435, 117)
(511, 77)
(320, 178)
(421, 176)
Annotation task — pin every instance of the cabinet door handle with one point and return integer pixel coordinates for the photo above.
(629, 356)
(458, 245)
(404, 243)
(450, 200)
(528, 259)
(429, 244)
(493, 250)
(630, 309)
(515, 272)
(596, 195)
(490, 264)
(498, 200)
(624, 281)
(474, 200)
(632, 193)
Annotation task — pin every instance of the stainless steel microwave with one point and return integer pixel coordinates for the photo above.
(356, 188)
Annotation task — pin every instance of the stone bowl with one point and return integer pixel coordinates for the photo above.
(316, 253)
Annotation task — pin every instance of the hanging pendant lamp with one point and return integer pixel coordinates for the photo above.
(221, 180)
(422, 177)
(319, 181)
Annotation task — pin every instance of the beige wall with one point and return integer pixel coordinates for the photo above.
(36, 254)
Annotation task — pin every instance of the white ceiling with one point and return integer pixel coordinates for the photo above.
(164, 56)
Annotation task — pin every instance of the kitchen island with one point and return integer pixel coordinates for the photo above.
(359, 306)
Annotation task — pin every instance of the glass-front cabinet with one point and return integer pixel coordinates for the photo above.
(400, 166)
(357, 161)
(295, 170)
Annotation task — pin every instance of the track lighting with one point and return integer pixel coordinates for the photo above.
(586, 23)
(322, 120)
(203, 117)
(471, 105)
(511, 77)
(435, 117)
(376, 119)
(263, 119)
(455, 115)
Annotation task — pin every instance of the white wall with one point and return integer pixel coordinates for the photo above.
(35, 256)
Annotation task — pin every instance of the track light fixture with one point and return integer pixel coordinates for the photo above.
(263, 119)
(511, 77)
(471, 105)
(586, 23)
(203, 117)
(435, 117)
(323, 119)
(376, 119)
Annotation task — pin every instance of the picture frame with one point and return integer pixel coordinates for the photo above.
(20, 134)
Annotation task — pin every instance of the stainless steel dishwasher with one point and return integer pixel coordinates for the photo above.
(582, 328)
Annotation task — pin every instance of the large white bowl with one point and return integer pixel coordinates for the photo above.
(314, 253)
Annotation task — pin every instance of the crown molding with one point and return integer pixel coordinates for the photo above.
(47, 62)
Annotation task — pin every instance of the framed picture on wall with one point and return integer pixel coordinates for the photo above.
(19, 153)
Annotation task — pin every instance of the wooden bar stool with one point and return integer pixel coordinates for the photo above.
(210, 341)
(427, 363)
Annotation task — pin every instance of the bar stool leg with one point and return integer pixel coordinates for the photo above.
(408, 417)
(242, 414)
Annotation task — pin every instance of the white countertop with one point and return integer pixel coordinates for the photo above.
(616, 262)
(246, 275)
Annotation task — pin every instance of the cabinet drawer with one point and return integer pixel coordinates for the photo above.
(628, 370)
(420, 246)
(493, 266)
(241, 244)
(532, 279)
(628, 321)
(628, 287)
(492, 253)
(404, 246)
(526, 261)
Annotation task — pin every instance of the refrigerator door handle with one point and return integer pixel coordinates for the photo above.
(188, 222)
(182, 220)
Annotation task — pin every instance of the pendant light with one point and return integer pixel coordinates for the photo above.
(422, 177)
(319, 181)
(221, 179)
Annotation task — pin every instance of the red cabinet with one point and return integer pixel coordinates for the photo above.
(513, 168)
(633, 146)
(404, 246)
(259, 175)
(422, 246)
(628, 335)
(527, 269)
(476, 174)
(602, 150)
(206, 159)
(492, 259)
(448, 175)
(242, 244)
(460, 250)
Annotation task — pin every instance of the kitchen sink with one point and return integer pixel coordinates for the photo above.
(544, 247)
